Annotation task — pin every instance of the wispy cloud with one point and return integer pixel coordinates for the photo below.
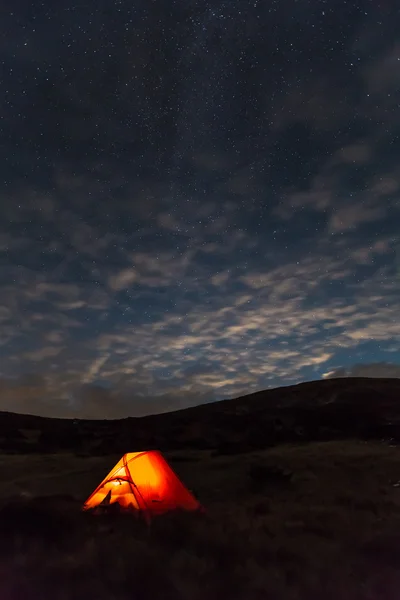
(95, 368)
(122, 280)
(366, 370)
(269, 326)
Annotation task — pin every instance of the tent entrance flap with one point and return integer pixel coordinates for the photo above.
(118, 491)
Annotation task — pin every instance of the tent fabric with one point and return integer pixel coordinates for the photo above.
(143, 481)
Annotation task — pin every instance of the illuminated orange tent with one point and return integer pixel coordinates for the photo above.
(143, 481)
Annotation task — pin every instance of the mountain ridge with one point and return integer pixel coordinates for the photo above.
(363, 408)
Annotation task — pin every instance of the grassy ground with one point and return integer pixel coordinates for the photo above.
(294, 522)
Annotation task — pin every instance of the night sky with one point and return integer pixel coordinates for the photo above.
(199, 199)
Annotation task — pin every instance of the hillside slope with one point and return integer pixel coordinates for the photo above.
(320, 410)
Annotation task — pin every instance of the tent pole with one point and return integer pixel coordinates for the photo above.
(132, 483)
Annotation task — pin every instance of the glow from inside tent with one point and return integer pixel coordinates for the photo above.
(146, 473)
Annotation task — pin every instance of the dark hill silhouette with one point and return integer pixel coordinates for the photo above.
(353, 408)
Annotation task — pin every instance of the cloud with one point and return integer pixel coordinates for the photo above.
(95, 368)
(168, 221)
(359, 153)
(386, 184)
(43, 353)
(382, 75)
(122, 280)
(356, 182)
(220, 278)
(366, 370)
(330, 195)
(353, 216)
(367, 254)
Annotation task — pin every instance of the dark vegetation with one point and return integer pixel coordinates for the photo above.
(301, 487)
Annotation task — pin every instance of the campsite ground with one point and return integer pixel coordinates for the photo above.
(293, 522)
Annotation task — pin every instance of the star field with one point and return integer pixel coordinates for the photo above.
(198, 200)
